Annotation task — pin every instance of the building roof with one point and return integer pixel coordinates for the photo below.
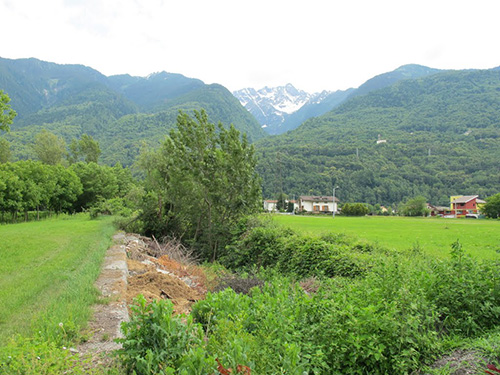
(464, 199)
(438, 208)
(271, 201)
(480, 201)
(318, 198)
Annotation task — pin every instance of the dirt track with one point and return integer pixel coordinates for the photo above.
(129, 269)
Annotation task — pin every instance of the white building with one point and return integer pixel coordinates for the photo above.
(270, 205)
(317, 203)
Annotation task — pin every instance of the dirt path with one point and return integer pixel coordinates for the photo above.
(136, 265)
(104, 327)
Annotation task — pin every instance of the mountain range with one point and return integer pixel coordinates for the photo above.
(436, 136)
(412, 131)
(119, 111)
(283, 108)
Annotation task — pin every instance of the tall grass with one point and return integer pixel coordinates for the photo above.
(47, 273)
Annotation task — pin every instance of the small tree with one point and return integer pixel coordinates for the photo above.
(49, 148)
(415, 207)
(492, 208)
(282, 204)
(5, 153)
(7, 114)
(86, 148)
(355, 209)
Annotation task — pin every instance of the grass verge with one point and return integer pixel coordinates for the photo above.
(47, 274)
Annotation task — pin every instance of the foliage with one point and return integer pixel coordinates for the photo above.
(7, 114)
(492, 207)
(100, 182)
(204, 181)
(30, 185)
(85, 148)
(282, 204)
(355, 209)
(118, 112)
(49, 148)
(265, 244)
(415, 207)
(5, 152)
(158, 343)
(431, 150)
(394, 320)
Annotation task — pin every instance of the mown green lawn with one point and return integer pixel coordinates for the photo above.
(47, 271)
(480, 238)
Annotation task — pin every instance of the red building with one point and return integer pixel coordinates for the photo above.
(467, 204)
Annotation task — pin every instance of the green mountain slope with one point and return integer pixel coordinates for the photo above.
(153, 93)
(124, 138)
(442, 136)
(118, 111)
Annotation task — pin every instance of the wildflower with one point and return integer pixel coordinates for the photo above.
(61, 325)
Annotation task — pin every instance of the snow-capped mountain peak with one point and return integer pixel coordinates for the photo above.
(272, 105)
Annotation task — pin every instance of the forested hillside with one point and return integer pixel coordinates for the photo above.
(118, 111)
(441, 133)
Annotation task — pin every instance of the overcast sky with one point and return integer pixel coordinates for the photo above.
(315, 45)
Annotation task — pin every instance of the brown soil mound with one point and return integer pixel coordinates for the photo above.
(136, 268)
(156, 285)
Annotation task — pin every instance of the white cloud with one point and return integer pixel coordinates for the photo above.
(322, 44)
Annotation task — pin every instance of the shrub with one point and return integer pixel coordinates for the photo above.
(355, 209)
(158, 343)
(266, 244)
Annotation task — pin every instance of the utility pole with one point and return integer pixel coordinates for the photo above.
(333, 209)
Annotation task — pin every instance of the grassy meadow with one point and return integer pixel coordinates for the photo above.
(480, 238)
(47, 273)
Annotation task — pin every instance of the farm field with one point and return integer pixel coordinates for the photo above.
(47, 272)
(480, 238)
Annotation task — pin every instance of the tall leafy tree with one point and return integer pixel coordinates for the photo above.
(86, 148)
(5, 153)
(99, 182)
(49, 148)
(7, 114)
(206, 175)
(492, 207)
(415, 207)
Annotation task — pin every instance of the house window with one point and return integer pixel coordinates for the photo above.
(315, 208)
(324, 208)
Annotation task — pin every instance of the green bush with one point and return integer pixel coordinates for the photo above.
(266, 244)
(355, 209)
(158, 343)
(396, 319)
(466, 293)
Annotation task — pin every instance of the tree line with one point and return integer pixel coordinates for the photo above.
(30, 185)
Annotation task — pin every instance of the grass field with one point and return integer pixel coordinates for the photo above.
(47, 273)
(480, 238)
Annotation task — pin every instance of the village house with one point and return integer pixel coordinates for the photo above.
(438, 210)
(462, 205)
(317, 203)
(270, 205)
